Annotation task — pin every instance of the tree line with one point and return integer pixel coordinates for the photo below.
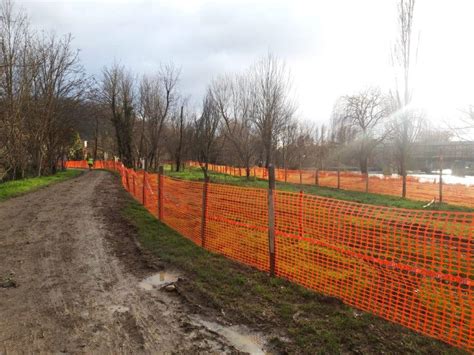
(49, 106)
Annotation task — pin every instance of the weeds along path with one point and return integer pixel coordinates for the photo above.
(77, 269)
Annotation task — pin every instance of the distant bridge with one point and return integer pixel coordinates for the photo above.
(458, 156)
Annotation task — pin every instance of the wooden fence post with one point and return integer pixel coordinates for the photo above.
(440, 179)
(160, 192)
(338, 177)
(134, 186)
(127, 178)
(143, 188)
(205, 187)
(300, 215)
(271, 218)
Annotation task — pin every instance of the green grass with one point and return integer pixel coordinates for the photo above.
(354, 196)
(15, 188)
(315, 324)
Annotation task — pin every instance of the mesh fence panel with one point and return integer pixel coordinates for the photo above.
(412, 267)
(456, 194)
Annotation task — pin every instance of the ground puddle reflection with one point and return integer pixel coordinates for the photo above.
(238, 336)
(159, 280)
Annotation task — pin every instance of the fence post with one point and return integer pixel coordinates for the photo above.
(301, 177)
(440, 179)
(271, 218)
(160, 193)
(338, 177)
(204, 211)
(316, 177)
(143, 188)
(367, 181)
(300, 215)
(134, 187)
(128, 179)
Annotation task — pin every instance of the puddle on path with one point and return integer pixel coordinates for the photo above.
(238, 336)
(159, 280)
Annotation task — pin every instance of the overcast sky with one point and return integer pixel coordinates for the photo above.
(332, 47)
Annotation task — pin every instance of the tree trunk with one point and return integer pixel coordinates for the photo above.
(363, 163)
(403, 172)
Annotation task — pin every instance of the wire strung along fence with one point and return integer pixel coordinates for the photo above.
(457, 194)
(412, 267)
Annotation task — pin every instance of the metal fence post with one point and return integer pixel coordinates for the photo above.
(316, 177)
(271, 218)
(204, 211)
(160, 193)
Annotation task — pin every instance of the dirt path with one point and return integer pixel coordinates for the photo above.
(78, 273)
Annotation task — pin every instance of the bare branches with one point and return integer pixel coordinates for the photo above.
(236, 105)
(118, 95)
(41, 79)
(408, 122)
(206, 131)
(273, 104)
(157, 97)
(363, 115)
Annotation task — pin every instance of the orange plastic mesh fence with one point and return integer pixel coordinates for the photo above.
(457, 194)
(412, 267)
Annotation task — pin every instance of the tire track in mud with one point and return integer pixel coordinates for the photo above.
(77, 269)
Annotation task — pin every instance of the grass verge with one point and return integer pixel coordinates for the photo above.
(313, 323)
(354, 196)
(15, 188)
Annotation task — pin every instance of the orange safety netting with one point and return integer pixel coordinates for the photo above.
(456, 194)
(412, 267)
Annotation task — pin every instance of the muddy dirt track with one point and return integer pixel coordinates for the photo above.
(77, 273)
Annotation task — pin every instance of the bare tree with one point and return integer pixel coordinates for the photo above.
(287, 140)
(60, 84)
(274, 107)
(236, 104)
(41, 79)
(179, 134)
(366, 112)
(157, 99)
(118, 95)
(320, 147)
(407, 122)
(206, 132)
(16, 59)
